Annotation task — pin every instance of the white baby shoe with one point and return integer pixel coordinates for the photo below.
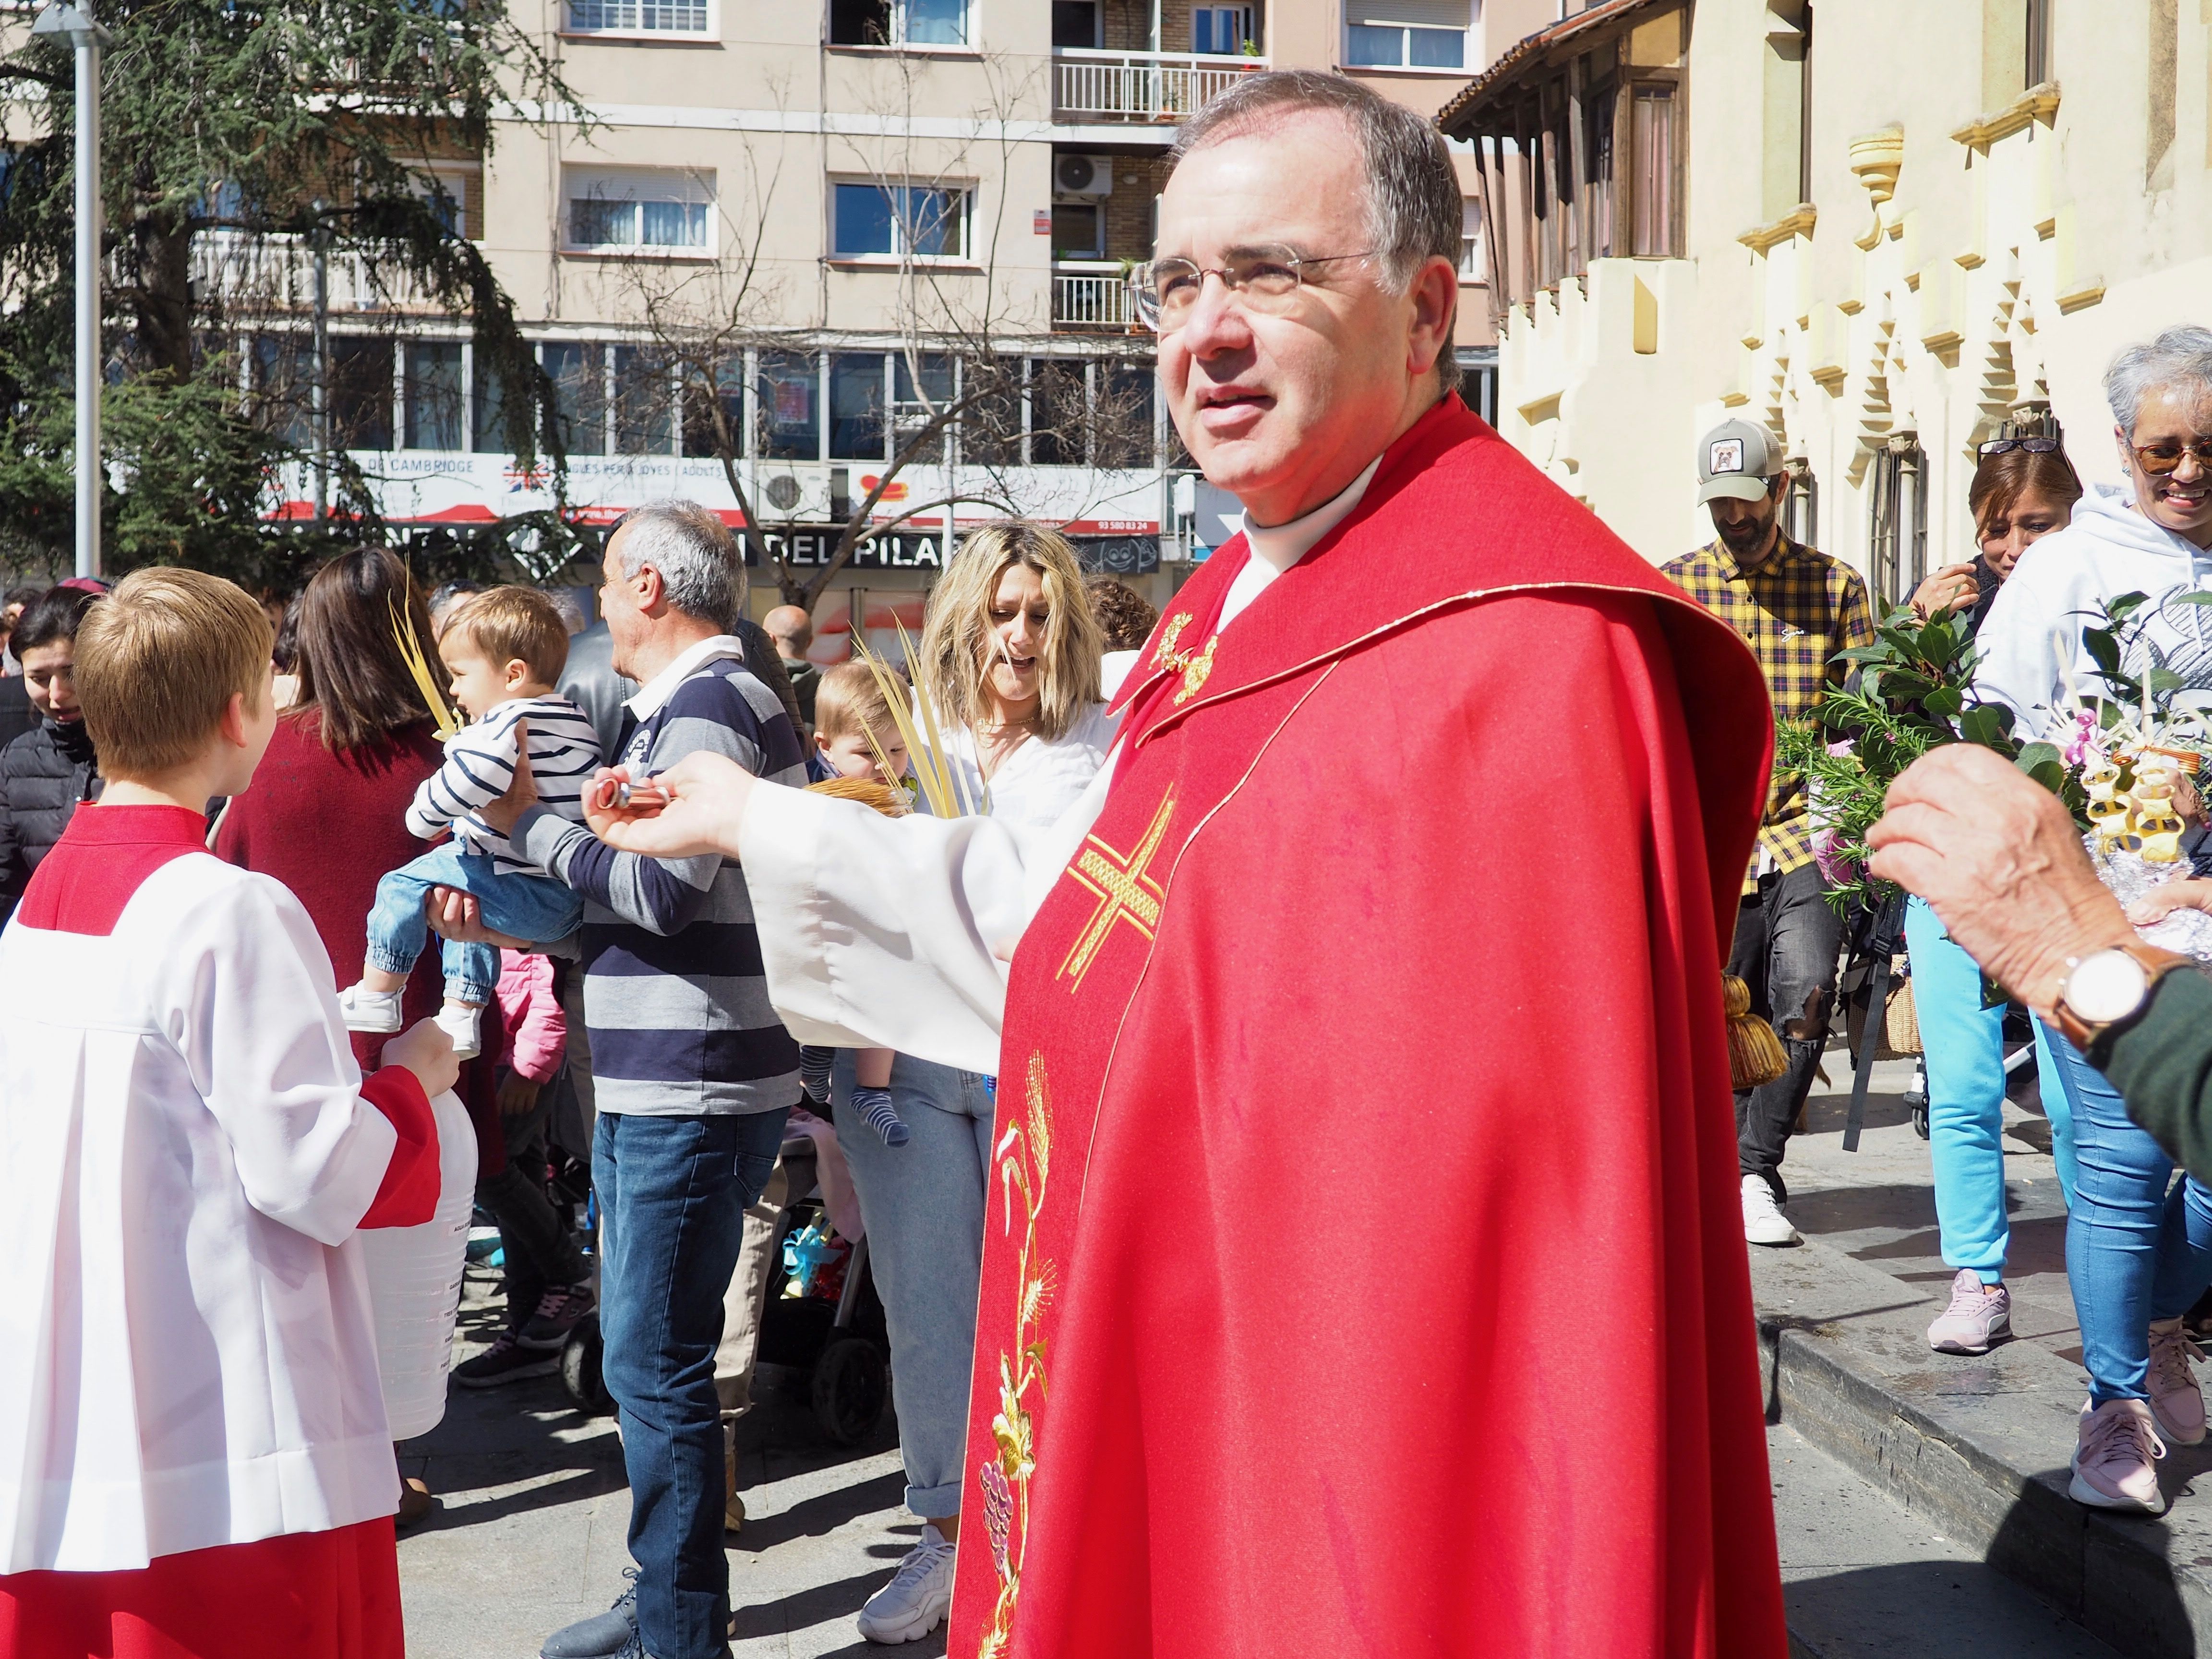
(369, 1010)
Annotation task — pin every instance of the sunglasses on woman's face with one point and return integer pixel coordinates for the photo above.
(2033, 445)
(2159, 460)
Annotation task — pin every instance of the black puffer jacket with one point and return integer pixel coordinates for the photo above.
(44, 775)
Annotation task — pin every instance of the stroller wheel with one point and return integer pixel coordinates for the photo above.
(1920, 1120)
(849, 1389)
(580, 1368)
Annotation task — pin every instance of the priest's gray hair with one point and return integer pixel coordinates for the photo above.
(701, 570)
(2181, 358)
(1414, 210)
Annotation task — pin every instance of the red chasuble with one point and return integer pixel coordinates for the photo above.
(1365, 1272)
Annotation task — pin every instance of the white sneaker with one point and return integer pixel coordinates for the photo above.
(458, 1021)
(369, 1010)
(1763, 1220)
(915, 1601)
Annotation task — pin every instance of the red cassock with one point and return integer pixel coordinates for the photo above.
(1365, 1272)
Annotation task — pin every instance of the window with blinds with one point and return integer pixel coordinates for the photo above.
(1405, 33)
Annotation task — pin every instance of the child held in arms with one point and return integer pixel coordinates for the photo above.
(505, 649)
(857, 741)
(194, 1456)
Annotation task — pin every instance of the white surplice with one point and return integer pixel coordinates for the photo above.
(896, 933)
(187, 1356)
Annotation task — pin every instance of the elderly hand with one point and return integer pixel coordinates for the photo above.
(2163, 900)
(521, 795)
(425, 1049)
(1951, 588)
(454, 915)
(2000, 861)
(699, 800)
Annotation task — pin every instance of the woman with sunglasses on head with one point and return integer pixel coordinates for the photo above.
(2137, 1254)
(2023, 490)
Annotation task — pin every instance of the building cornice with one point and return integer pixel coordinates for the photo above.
(1798, 222)
(2038, 103)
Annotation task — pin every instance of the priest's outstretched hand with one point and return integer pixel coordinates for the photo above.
(691, 809)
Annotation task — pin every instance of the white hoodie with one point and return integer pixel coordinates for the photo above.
(2031, 642)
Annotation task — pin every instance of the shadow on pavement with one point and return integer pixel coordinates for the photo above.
(815, 1517)
(1923, 1608)
(2112, 1574)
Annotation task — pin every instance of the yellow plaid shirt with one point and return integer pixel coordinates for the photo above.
(1795, 613)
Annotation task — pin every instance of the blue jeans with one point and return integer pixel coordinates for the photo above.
(1965, 1098)
(535, 908)
(672, 1194)
(2134, 1250)
(924, 1205)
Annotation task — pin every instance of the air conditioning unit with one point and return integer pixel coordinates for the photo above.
(1082, 175)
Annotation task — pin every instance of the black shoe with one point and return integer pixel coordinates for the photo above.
(608, 1635)
(505, 1361)
(557, 1315)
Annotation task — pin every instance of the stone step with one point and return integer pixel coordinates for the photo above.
(1981, 1446)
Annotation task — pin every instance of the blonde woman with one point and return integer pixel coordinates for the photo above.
(1012, 648)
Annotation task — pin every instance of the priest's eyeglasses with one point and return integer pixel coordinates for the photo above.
(1166, 291)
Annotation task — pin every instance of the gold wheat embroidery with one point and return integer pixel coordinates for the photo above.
(1024, 1162)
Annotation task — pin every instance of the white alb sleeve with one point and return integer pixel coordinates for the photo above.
(247, 998)
(896, 933)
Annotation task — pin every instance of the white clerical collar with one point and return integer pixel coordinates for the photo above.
(656, 691)
(1276, 548)
(1284, 544)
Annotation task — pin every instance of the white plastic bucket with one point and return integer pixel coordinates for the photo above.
(415, 1282)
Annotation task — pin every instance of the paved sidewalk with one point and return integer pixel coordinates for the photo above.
(1878, 1204)
(533, 1513)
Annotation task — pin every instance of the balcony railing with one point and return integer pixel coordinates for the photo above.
(277, 273)
(1141, 86)
(1091, 296)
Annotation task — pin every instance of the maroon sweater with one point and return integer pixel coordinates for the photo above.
(328, 826)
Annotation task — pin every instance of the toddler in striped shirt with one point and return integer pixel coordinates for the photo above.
(505, 649)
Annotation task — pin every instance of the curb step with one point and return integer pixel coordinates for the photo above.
(1981, 1444)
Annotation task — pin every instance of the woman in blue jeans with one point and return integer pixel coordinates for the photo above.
(1012, 650)
(2138, 1253)
(2018, 494)
(1965, 1057)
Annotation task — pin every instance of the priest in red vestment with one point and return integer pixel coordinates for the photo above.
(1365, 1272)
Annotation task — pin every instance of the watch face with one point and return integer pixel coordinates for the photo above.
(2107, 986)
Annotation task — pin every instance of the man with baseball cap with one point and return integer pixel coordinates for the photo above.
(1796, 609)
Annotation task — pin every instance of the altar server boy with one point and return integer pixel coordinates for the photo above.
(194, 1461)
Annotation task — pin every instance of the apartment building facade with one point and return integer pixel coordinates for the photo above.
(1889, 230)
(860, 214)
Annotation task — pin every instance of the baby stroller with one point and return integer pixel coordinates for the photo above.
(824, 1317)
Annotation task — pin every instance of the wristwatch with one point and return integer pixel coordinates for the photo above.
(2107, 990)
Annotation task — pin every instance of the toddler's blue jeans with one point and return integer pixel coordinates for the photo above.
(534, 907)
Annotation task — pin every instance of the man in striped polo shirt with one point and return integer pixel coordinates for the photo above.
(693, 1072)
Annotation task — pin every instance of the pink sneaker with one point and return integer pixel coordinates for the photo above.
(2175, 1400)
(1978, 1318)
(2114, 1463)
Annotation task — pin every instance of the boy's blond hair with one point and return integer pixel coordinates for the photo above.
(847, 700)
(512, 625)
(159, 660)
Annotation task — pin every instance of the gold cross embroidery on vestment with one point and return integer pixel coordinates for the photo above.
(1124, 890)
